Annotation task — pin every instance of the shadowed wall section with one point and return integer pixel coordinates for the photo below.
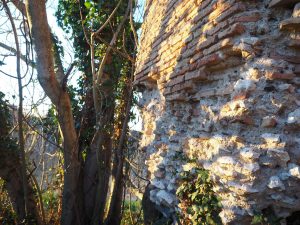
(220, 83)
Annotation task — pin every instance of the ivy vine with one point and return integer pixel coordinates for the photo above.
(198, 202)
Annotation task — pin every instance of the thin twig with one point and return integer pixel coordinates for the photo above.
(65, 79)
(132, 26)
(82, 25)
(20, 109)
(124, 55)
(6, 74)
(108, 19)
(12, 50)
(43, 136)
(40, 197)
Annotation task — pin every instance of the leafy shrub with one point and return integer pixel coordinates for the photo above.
(198, 202)
(132, 213)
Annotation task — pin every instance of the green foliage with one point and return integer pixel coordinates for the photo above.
(7, 146)
(52, 203)
(88, 4)
(258, 219)
(75, 17)
(94, 14)
(265, 217)
(198, 202)
(50, 121)
(6, 141)
(132, 213)
(50, 199)
(5, 121)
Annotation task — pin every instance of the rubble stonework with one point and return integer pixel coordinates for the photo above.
(220, 83)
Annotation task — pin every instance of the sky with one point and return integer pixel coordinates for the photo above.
(33, 93)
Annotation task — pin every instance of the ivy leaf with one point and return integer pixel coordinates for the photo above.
(88, 5)
(257, 219)
(194, 195)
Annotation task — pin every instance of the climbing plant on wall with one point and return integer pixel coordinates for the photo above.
(198, 202)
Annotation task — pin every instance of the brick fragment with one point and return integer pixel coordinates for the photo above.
(197, 75)
(279, 76)
(294, 43)
(193, 75)
(223, 25)
(245, 119)
(290, 24)
(288, 58)
(176, 97)
(248, 18)
(269, 122)
(210, 60)
(236, 29)
(196, 57)
(241, 96)
(176, 80)
(279, 3)
(297, 69)
(226, 43)
(207, 43)
(188, 86)
(238, 7)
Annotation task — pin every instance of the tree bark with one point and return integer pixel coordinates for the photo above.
(87, 191)
(115, 210)
(72, 207)
(102, 148)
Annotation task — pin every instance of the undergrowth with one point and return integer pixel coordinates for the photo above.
(132, 213)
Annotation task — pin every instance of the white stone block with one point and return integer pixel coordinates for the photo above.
(275, 182)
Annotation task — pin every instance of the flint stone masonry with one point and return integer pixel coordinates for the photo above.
(220, 84)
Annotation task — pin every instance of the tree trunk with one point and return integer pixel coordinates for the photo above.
(115, 210)
(72, 208)
(87, 191)
(102, 146)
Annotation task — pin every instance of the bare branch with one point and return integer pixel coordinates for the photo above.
(124, 55)
(65, 79)
(6, 74)
(82, 25)
(23, 57)
(20, 109)
(43, 136)
(132, 26)
(98, 77)
(108, 19)
(92, 48)
(112, 43)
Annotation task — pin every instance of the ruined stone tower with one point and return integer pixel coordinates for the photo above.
(221, 83)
